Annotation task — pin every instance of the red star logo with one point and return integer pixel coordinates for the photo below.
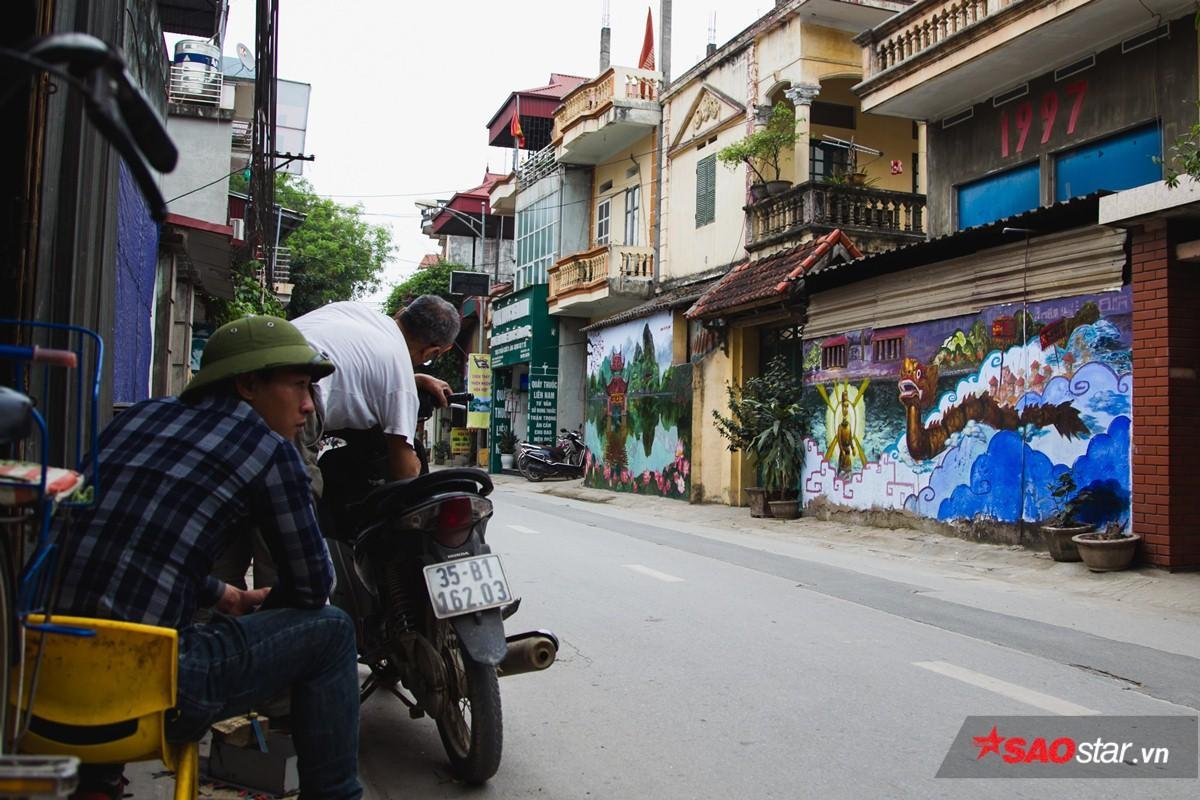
(988, 744)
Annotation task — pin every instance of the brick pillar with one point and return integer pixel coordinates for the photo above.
(1166, 399)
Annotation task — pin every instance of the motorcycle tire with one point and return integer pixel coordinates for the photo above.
(528, 470)
(471, 724)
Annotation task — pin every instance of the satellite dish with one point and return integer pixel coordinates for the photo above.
(245, 56)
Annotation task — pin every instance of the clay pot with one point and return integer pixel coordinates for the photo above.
(1106, 555)
(1059, 543)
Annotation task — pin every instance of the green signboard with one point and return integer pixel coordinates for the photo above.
(523, 332)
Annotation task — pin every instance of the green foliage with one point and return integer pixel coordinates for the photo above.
(441, 451)
(760, 150)
(249, 297)
(431, 280)
(507, 441)
(1185, 157)
(766, 420)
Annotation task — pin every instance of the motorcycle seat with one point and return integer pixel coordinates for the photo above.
(395, 496)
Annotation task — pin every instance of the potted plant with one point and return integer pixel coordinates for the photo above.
(1108, 550)
(779, 451)
(754, 408)
(441, 451)
(1059, 529)
(760, 151)
(507, 442)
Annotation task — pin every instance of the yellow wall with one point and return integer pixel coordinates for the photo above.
(892, 135)
(639, 156)
(717, 474)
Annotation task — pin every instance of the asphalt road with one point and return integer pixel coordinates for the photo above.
(704, 666)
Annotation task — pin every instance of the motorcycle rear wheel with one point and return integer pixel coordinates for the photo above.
(526, 469)
(471, 724)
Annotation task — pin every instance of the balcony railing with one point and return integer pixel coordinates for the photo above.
(283, 266)
(617, 83)
(810, 204)
(927, 25)
(537, 166)
(192, 82)
(593, 268)
(243, 135)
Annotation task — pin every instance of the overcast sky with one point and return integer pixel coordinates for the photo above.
(401, 91)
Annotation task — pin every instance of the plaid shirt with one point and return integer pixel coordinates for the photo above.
(178, 482)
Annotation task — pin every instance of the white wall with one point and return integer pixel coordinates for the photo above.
(204, 150)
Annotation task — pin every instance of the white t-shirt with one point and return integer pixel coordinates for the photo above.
(373, 383)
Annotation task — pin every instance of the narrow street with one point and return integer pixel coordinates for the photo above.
(699, 663)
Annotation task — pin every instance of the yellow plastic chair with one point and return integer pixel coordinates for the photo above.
(103, 698)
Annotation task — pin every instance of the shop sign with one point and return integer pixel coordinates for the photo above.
(460, 441)
(479, 383)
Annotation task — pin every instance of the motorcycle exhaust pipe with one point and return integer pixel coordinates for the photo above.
(532, 651)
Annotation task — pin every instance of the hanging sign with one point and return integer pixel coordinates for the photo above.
(479, 383)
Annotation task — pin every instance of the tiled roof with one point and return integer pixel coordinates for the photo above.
(672, 298)
(753, 282)
(429, 260)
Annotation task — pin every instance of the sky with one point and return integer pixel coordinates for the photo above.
(401, 91)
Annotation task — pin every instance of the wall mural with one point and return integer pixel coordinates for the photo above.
(638, 428)
(977, 417)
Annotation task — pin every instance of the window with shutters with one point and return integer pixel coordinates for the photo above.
(706, 190)
(603, 221)
(633, 202)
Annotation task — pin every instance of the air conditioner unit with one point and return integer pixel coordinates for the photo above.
(239, 228)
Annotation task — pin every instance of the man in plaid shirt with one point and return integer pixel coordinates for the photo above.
(181, 478)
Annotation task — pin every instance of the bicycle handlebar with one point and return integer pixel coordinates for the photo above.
(43, 355)
(115, 104)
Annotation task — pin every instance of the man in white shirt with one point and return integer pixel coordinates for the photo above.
(377, 385)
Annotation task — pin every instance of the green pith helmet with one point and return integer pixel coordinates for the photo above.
(253, 343)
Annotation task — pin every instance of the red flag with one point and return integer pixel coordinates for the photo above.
(514, 128)
(646, 59)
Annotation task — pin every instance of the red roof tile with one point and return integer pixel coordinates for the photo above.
(752, 283)
(429, 260)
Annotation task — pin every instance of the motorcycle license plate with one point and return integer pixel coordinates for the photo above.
(467, 585)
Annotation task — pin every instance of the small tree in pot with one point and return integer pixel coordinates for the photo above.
(766, 405)
(507, 442)
(1058, 529)
(760, 151)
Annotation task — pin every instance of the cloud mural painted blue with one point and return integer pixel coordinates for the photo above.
(973, 423)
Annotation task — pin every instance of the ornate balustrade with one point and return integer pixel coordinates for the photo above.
(593, 268)
(917, 31)
(616, 84)
(835, 206)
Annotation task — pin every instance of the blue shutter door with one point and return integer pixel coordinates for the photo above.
(998, 196)
(1120, 162)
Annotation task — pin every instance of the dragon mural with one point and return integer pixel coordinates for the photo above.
(918, 393)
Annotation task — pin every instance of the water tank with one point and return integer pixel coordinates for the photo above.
(197, 70)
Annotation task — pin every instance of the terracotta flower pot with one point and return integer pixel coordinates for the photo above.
(1059, 543)
(784, 509)
(1106, 555)
(777, 187)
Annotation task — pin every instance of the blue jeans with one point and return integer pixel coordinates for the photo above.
(230, 665)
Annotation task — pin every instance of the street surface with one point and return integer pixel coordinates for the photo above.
(696, 663)
(705, 655)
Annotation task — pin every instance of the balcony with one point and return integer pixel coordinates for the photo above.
(608, 115)
(536, 167)
(242, 136)
(601, 281)
(875, 219)
(194, 84)
(939, 57)
(283, 285)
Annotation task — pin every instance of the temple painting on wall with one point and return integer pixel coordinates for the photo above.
(977, 417)
(638, 426)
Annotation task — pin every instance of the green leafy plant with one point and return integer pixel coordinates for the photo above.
(249, 298)
(507, 442)
(760, 151)
(441, 451)
(766, 421)
(1185, 157)
(1063, 492)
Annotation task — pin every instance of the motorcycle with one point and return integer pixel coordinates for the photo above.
(427, 595)
(562, 460)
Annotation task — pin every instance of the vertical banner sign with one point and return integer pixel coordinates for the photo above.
(543, 403)
(460, 441)
(479, 383)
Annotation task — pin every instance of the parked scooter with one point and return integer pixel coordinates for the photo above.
(427, 595)
(562, 460)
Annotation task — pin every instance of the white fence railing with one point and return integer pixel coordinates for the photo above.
(192, 82)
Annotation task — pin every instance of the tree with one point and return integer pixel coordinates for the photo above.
(760, 150)
(431, 280)
(336, 254)
(249, 298)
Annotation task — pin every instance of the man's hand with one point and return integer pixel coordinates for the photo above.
(440, 390)
(236, 602)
